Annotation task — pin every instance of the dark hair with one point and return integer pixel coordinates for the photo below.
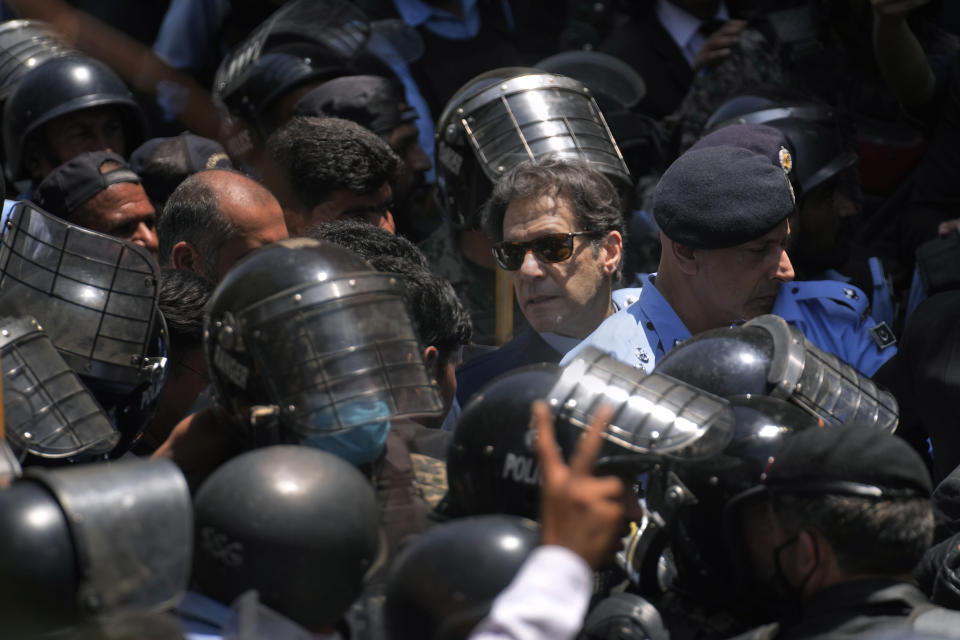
(594, 199)
(368, 241)
(868, 535)
(183, 295)
(436, 310)
(433, 304)
(318, 156)
(192, 214)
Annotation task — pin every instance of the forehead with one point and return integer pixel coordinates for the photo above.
(120, 197)
(543, 212)
(86, 117)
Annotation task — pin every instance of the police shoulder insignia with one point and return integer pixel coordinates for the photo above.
(882, 335)
(786, 160)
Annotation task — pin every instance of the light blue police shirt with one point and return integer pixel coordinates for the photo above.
(832, 315)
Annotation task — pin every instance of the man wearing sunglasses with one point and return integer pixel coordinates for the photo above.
(558, 230)
(725, 221)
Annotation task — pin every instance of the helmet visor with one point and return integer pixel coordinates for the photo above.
(95, 295)
(653, 414)
(49, 413)
(340, 354)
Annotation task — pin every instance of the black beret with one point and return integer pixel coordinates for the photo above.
(847, 460)
(163, 163)
(373, 102)
(67, 187)
(760, 138)
(721, 196)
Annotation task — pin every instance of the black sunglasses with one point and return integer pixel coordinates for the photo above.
(554, 247)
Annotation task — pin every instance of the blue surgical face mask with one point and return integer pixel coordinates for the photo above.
(360, 444)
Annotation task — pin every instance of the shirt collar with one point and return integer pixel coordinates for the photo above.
(682, 26)
(559, 342)
(668, 325)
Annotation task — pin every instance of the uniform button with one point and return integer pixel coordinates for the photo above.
(850, 293)
(649, 325)
(795, 290)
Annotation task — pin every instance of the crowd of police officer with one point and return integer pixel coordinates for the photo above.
(226, 432)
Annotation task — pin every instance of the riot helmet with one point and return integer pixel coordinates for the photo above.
(492, 467)
(48, 412)
(298, 525)
(275, 74)
(91, 541)
(511, 114)
(25, 45)
(709, 566)
(623, 616)
(60, 86)
(307, 344)
(618, 88)
(303, 42)
(96, 298)
(768, 356)
(823, 148)
(435, 590)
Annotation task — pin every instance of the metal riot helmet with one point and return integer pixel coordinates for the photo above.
(49, 414)
(25, 45)
(492, 468)
(96, 298)
(697, 500)
(307, 344)
(444, 583)
(91, 541)
(623, 616)
(511, 114)
(823, 150)
(767, 356)
(298, 525)
(303, 42)
(58, 87)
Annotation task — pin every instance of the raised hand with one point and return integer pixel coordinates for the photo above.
(577, 510)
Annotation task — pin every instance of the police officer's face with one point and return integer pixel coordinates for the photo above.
(741, 282)
(404, 140)
(572, 297)
(96, 129)
(123, 211)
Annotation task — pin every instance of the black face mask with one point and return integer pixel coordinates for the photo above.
(792, 595)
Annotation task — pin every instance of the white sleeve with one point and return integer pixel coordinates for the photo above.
(547, 599)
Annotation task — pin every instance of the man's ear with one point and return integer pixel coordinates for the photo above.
(685, 257)
(612, 252)
(808, 552)
(185, 256)
(431, 357)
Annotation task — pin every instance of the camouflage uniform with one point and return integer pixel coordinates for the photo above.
(430, 478)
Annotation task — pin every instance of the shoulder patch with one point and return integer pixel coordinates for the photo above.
(843, 295)
(882, 335)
